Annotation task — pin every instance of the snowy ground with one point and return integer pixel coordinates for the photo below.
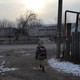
(66, 67)
(17, 62)
(3, 68)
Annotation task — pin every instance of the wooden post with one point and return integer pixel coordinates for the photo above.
(59, 24)
(68, 41)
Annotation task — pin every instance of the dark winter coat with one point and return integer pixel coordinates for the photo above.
(38, 52)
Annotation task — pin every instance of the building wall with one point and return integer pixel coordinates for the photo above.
(43, 31)
(5, 32)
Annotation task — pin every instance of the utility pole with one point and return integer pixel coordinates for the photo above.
(59, 24)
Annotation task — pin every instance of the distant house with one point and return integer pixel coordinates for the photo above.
(5, 32)
(46, 30)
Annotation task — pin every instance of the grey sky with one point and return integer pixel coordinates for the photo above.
(12, 9)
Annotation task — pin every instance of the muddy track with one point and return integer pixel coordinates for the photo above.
(25, 61)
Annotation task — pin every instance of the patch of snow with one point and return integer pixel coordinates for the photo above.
(3, 62)
(1, 56)
(36, 68)
(2, 69)
(20, 51)
(66, 67)
(27, 54)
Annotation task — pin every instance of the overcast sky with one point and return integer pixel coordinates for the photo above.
(45, 9)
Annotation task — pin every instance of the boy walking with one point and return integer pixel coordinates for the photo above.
(41, 55)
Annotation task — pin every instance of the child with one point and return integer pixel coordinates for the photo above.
(41, 55)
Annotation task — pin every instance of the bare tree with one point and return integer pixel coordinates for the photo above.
(24, 22)
(3, 23)
(6, 23)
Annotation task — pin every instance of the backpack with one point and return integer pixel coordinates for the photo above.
(42, 54)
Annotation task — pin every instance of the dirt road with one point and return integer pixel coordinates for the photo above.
(24, 60)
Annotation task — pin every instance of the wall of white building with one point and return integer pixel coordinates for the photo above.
(43, 31)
